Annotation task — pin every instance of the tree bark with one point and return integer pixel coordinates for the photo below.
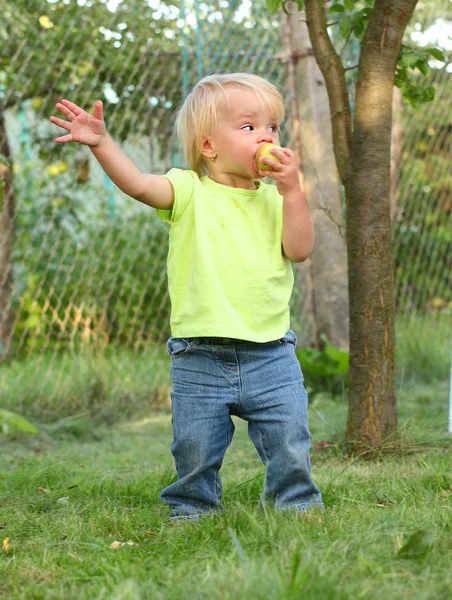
(7, 218)
(323, 277)
(372, 417)
(365, 173)
(396, 149)
(333, 72)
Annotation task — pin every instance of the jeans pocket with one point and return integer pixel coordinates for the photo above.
(177, 346)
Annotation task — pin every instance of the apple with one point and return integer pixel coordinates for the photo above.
(264, 152)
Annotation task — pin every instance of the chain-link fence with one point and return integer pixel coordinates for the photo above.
(89, 264)
(422, 204)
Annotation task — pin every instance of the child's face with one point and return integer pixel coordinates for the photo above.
(243, 125)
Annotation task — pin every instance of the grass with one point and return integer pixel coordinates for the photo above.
(94, 473)
(116, 384)
(67, 495)
(106, 385)
(423, 348)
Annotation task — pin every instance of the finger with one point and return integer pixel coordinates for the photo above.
(290, 154)
(280, 153)
(64, 138)
(274, 164)
(98, 110)
(60, 123)
(73, 107)
(66, 111)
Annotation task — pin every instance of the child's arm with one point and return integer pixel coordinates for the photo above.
(84, 128)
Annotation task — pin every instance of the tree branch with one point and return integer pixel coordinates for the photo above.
(333, 72)
(380, 49)
(349, 35)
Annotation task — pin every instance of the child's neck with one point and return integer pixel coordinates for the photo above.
(233, 181)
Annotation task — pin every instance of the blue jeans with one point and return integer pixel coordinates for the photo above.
(261, 383)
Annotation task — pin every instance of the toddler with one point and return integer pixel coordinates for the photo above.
(232, 237)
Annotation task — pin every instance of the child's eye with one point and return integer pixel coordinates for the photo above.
(275, 127)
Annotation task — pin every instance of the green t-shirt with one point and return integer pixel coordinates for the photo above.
(227, 274)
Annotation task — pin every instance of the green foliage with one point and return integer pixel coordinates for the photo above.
(419, 544)
(115, 55)
(423, 218)
(3, 161)
(324, 369)
(11, 422)
(113, 383)
(78, 274)
(413, 59)
(353, 19)
(423, 349)
(94, 50)
(101, 385)
(273, 6)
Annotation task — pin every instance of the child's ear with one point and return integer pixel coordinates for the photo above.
(207, 148)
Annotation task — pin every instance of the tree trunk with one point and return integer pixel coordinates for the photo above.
(372, 414)
(7, 215)
(396, 149)
(324, 275)
(364, 163)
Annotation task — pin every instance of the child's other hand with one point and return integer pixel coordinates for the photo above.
(285, 173)
(83, 127)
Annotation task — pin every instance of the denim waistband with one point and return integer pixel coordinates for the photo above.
(216, 341)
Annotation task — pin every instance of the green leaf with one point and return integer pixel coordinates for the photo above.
(273, 6)
(436, 53)
(345, 24)
(402, 74)
(359, 30)
(418, 545)
(4, 161)
(340, 358)
(349, 4)
(423, 67)
(336, 8)
(330, 362)
(10, 421)
(409, 59)
(300, 4)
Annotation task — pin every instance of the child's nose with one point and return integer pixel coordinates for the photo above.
(266, 137)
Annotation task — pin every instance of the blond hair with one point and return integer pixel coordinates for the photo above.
(197, 117)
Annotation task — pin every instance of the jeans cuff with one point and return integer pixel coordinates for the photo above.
(303, 507)
(176, 518)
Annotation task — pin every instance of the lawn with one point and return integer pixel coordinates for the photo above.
(80, 510)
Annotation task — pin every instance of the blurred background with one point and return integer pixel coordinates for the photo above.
(83, 288)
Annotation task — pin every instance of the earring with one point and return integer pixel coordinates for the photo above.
(213, 158)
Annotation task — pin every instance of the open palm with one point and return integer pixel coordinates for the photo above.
(83, 127)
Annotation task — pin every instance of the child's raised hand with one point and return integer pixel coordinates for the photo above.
(83, 127)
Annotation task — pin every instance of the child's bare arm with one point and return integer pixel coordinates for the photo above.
(84, 128)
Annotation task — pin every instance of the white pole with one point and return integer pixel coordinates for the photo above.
(450, 396)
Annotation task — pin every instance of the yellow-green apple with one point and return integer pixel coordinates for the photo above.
(264, 152)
